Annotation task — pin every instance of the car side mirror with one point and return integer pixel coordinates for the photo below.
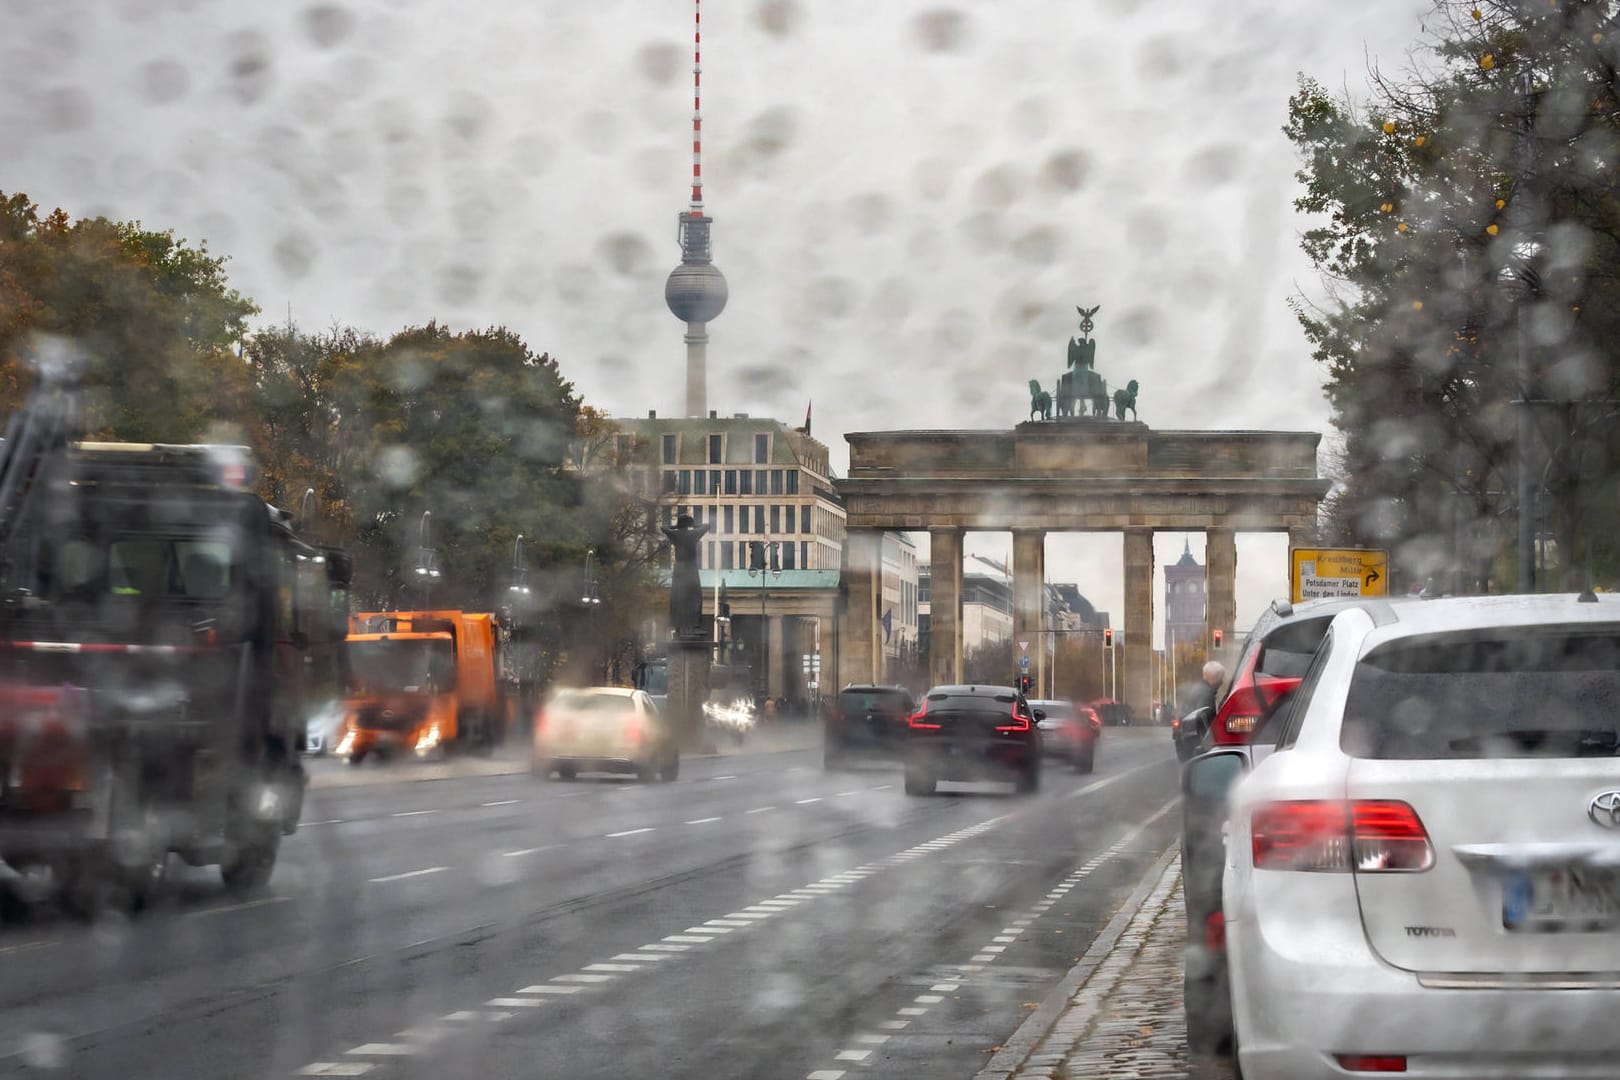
(1199, 720)
(1211, 777)
(1039, 716)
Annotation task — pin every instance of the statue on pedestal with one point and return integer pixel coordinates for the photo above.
(685, 590)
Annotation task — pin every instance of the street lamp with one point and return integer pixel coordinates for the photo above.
(427, 569)
(757, 564)
(591, 596)
(520, 573)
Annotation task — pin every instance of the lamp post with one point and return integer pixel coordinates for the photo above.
(763, 560)
(591, 596)
(427, 569)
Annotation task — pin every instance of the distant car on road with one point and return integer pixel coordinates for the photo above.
(1424, 877)
(972, 733)
(603, 729)
(866, 720)
(1069, 732)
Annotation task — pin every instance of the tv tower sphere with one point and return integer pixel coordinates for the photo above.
(696, 292)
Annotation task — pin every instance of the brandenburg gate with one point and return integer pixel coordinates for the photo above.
(1084, 474)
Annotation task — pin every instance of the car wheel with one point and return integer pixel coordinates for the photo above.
(1084, 763)
(919, 782)
(1029, 779)
(1209, 1030)
(357, 757)
(247, 870)
(646, 774)
(567, 771)
(672, 767)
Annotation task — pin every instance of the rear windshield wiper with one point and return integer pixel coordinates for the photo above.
(1561, 742)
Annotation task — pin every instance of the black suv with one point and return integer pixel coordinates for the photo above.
(867, 720)
(972, 733)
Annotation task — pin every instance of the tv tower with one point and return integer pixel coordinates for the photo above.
(696, 289)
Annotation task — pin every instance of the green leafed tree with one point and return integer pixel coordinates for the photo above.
(1462, 211)
(151, 318)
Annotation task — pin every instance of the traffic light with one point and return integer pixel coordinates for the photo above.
(1025, 684)
(1108, 637)
(1218, 638)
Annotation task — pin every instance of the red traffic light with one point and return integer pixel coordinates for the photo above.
(1108, 637)
(1218, 637)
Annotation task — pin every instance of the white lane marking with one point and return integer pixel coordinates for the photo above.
(628, 832)
(852, 1055)
(983, 958)
(826, 1074)
(243, 906)
(643, 957)
(881, 787)
(328, 821)
(748, 916)
(690, 939)
(413, 813)
(1005, 939)
(520, 852)
(872, 1040)
(703, 821)
(928, 999)
(29, 946)
(895, 1025)
(912, 1010)
(336, 1068)
(730, 777)
(502, 802)
(714, 926)
(547, 988)
(805, 802)
(383, 1050)
(845, 794)
(759, 809)
(618, 968)
(409, 874)
(462, 1015)
(659, 946)
(516, 1003)
(946, 987)
(579, 978)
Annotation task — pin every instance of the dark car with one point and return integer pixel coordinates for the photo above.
(972, 733)
(1224, 744)
(866, 720)
(1068, 732)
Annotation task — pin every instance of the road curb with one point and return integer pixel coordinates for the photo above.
(1033, 1031)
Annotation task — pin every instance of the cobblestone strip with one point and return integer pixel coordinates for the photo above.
(1126, 1019)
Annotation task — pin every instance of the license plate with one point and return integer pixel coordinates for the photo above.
(1563, 898)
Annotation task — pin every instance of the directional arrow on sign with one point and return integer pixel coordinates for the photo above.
(1372, 576)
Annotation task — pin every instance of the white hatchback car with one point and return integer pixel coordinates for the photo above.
(1424, 877)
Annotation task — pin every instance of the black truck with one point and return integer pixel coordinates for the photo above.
(160, 626)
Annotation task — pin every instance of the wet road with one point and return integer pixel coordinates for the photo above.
(757, 918)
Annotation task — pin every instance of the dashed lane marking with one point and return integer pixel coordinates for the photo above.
(550, 988)
(852, 1055)
(336, 1068)
(245, 905)
(615, 968)
(502, 802)
(806, 802)
(845, 794)
(520, 852)
(328, 821)
(703, 821)
(872, 1040)
(628, 832)
(759, 809)
(690, 939)
(516, 1003)
(583, 977)
(384, 1050)
(827, 1074)
(26, 946)
(409, 874)
(659, 946)
(412, 813)
(641, 957)
(727, 777)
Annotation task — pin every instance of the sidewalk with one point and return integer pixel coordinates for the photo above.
(513, 758)
(1120, 1013)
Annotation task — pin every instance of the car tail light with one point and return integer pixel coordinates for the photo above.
(1215, 932)
(1252, 699)
(1093, 719)
(918, 721)
(1381, 1063)
(539, 721)
(1020, 722)
(1368, 836)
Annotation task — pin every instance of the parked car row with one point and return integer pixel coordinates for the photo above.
(1401, 842)
(959, 733)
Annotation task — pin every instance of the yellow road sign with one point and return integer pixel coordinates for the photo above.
(1318, 573)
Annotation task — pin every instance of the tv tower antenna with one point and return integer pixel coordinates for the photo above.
(696, 290)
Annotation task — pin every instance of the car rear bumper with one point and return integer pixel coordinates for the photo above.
(960, 758)
(1299, 1005)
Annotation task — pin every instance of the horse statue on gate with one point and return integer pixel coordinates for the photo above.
(1125, 400)
(1040, 402)
(1066, 399)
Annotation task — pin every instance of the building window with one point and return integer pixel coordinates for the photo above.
(788, 516)
(776, 519)
(793, 482)
(747, 478)
(729, 521)
(684, 487)
(669, 482)
(776, 481)
(731, 481)
(714, 481)
(762, 481)
(669, 449)
(804, 554)
(716, 449)
(787, 557)
(726, 553)
(623, 447)
(700, 482)
(759, 519)
(762, 449)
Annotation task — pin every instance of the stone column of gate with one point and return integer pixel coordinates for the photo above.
(944, 607)
(1029, 599)
(1220, 570)
(859, 642)
(1137, 674)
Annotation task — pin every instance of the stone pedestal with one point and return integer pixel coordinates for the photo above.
(1220, 567)
(1029, 602)
(689, 669)
(945, 607)
(1136, 682)
(861, 652)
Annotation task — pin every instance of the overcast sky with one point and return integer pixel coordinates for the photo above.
(911, 196)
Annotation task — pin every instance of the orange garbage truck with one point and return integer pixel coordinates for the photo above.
(422, 684)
